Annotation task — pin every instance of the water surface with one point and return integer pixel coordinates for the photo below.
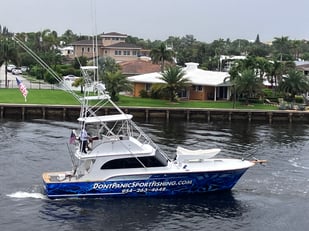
(268, 197)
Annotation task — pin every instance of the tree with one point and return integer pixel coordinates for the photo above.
(79, 62)
(107, 64)
(294, 83)
(282, 47)
(248, 84)
(68, 37)
(274, 73)
(115, 82)
(257, 40)
(162, 54)
(175, 81)
(79, 82)
(8, 54)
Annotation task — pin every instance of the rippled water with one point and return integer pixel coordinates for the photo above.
(268, 197)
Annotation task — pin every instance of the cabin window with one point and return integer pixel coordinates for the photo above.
(148, 161)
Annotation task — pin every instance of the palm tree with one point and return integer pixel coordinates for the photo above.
(79, 82)
(161, 55)
(274, 73)
(68, 37)
(294, 83)
(175, 81)
(282, 46)
(107, 64)
(116, 82)
(248, 84)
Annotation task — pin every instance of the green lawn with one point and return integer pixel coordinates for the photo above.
(36, 96)
(59, 97)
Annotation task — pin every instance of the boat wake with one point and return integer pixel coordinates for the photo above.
(22, 195)
(296, 164)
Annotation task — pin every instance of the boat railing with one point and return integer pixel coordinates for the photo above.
(143, 135)
(127, 127)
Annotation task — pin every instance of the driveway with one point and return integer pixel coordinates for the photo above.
(13, 84)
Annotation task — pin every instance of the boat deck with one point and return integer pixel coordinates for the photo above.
(54, 177)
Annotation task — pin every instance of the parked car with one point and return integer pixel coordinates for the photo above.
(70, 77)
(10, 67)
(17, 71)
(24, 68)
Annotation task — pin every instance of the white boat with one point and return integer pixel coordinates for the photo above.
(123, 161)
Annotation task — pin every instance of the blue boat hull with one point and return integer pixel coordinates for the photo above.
(154, 185)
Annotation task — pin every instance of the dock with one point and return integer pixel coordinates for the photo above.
(71, 113)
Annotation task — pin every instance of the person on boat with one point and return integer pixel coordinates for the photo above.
(83, 140)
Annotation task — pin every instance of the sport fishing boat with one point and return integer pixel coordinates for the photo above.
(119, 159)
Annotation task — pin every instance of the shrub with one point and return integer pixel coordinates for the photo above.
(143, 93)
(299, 99)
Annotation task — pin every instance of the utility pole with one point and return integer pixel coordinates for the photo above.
(4, 51)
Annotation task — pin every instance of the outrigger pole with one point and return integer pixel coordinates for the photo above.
(45, 66)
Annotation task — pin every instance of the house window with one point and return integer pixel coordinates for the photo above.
(134, 53)
(197, 88)
(126, 52)
(183, 93)
(88, 49)
(148, 86)
(117, 52)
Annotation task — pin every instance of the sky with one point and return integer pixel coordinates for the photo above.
(206, 20)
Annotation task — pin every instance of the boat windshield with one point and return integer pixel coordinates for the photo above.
(137, 162)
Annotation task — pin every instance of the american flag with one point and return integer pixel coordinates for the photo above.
(72, 137)
(22, 88)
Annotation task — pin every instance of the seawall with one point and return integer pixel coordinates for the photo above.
(71, 113)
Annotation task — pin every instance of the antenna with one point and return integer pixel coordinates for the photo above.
(95, 53)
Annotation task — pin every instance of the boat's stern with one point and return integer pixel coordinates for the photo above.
(51, 179)
(56, 177)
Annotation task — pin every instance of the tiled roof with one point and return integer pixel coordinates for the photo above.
(137, 67)
(114, 34)
(304, 67)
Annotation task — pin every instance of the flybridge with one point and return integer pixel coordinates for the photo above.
(105, 118)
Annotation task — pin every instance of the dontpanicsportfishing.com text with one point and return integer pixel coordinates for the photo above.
(141, 184)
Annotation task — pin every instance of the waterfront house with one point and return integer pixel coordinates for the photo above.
(111, 44)
(205, 85)
(302, 66)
